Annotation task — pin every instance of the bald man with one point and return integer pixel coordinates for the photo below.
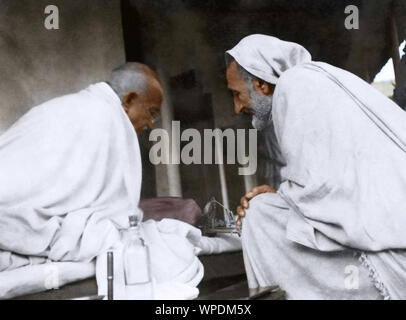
(70, 169)
(140, 92)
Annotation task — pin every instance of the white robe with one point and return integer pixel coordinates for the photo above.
(344, 149)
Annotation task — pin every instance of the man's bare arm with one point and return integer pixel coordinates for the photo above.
(244, 202)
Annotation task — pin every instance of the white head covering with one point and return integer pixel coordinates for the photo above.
(268, 57)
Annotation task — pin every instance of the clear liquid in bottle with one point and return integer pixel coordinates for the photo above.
(137, 265)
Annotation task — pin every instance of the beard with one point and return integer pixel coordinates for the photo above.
(262, 107)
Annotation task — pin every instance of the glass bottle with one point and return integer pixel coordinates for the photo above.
(137, 264)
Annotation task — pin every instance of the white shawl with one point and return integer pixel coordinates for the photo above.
(70, 169)
(344, 145)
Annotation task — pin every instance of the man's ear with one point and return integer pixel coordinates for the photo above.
(128, 99)
(262, 87)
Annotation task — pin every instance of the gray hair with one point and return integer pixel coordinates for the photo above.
(262, 105)
(246, 76)
(128, 77)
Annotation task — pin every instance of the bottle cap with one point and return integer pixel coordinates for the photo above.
(133, 220)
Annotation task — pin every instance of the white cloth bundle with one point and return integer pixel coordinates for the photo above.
(174, 246)
(175, 268)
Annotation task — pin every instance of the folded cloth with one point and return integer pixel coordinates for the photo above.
(45, 276)
(176, 270)
(219, 244)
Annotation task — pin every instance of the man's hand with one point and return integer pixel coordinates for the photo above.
(244, 202)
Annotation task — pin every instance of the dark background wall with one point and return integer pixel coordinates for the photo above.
(37, 64)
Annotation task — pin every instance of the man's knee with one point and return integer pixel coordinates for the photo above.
(264, 210)
(258, 204)
(255, 211)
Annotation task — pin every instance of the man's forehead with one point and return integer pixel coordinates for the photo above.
(232, 68)
(155, 84)
(154, 92)
(151, 77)
(233, 75)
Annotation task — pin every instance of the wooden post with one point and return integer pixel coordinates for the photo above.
(168, 181)
(395, 48)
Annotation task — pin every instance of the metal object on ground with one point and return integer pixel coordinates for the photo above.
(90, 298)
(216, 222)
(110, 275)
(263, 292)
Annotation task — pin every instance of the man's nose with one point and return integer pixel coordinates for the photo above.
(238, 107)
(151, 123)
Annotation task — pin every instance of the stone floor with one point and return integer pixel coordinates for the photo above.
(237, 289)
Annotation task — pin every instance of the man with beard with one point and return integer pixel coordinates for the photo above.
(334, 228)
